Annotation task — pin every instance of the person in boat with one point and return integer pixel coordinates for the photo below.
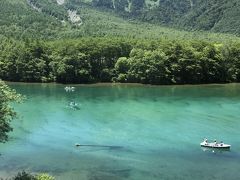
(73, 104)
(206, 141)
(215, 142)
(221, 143)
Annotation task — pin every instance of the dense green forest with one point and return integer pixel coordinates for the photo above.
(90, 60)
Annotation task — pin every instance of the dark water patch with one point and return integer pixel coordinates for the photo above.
(150, 173)
(48, 169)
(122, 149)
(24, 130)
(87, 150)
(14, 138)
(35, 145)
(95, 145)
(194, 155)
(103, 176)
(124, 173)
(110, 174)
(93, 148)
(227, 154)
(16, 166)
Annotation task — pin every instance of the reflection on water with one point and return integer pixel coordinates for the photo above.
(126, 132)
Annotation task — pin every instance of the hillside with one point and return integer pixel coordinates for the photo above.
(52, 19)
(212, 15)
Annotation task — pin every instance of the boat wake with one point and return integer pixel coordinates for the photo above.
(94, 145)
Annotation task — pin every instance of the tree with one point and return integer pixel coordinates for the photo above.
(120, 5)
(44, 177)
(137, 6)
(7, 113)
(24, 176)
(103, 3)
(73, 68)
(28, 176)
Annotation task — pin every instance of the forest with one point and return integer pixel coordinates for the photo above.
(109, 59)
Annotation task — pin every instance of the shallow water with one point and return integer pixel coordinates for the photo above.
(135, 132)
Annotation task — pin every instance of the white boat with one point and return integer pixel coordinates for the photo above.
(215, 145)
(69, 89)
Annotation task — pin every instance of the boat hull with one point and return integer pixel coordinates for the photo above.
(214, 145)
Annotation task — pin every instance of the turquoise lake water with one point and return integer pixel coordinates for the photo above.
(135, 132)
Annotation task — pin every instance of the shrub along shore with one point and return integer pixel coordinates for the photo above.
(107, 59)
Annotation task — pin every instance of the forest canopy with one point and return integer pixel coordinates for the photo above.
(38, 43)
(91, 60)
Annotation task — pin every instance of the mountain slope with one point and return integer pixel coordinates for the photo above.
(49, 19)
(20, 21)
(214, 15)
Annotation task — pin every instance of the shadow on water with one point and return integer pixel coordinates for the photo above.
(94, 145)
(215, 150)
(94, 148)
(24, 130)
(222, 153)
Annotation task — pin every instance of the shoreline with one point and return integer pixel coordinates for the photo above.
(101, 84)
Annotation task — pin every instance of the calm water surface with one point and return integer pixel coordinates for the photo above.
(136, 132)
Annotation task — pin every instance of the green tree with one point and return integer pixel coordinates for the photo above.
(7, 113)
(120, 5)
(44, 177)
(73, 68)
(137, 6)
(24, 176)
(103, 3)
(27, 176)
(122, 67)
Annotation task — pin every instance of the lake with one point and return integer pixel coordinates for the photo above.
(130, 132)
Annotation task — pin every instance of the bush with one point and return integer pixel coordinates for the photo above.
(44, 177)
(24, 176)
(27, 176)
